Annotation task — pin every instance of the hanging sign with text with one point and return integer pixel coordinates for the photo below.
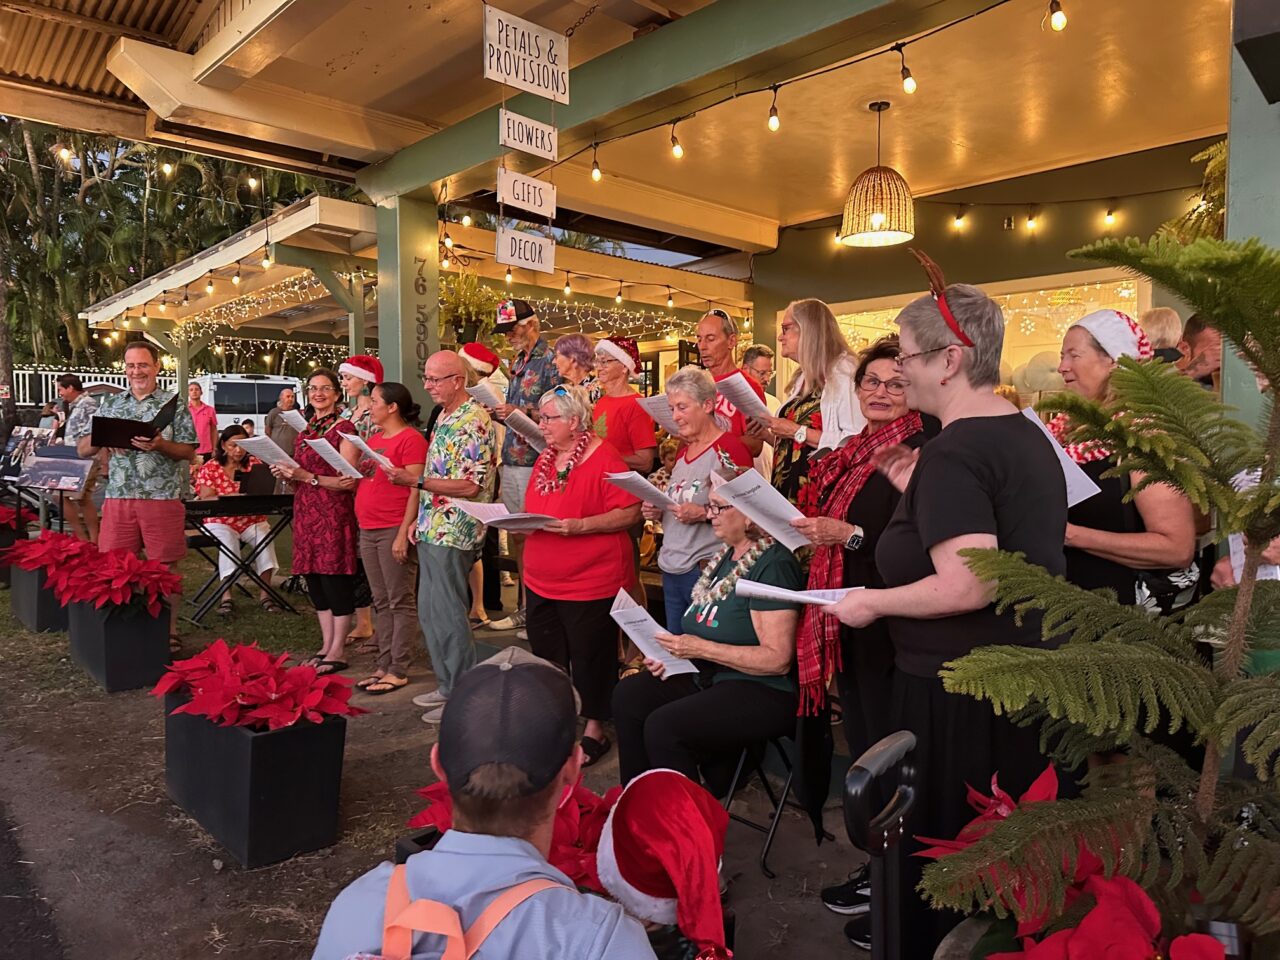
(529, 250)
(528, 136)
(517, 190)
(524, 55)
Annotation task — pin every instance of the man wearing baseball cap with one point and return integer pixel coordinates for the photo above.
(508, 749)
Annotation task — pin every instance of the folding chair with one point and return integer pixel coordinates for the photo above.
(771, 828)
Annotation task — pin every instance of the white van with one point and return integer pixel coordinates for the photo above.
(245, 396)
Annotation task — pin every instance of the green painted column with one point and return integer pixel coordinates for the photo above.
(408, 289)
(1253, 203)
(355, 314)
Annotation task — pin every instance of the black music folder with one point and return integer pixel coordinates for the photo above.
(118, 432)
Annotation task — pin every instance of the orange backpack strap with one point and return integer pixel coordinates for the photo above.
(403, 918)
(498, 909)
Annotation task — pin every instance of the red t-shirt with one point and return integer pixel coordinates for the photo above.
(624, 424)
(737, 420)
(587, 567)
(379, 502)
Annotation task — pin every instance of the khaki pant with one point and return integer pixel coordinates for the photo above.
(392, 584)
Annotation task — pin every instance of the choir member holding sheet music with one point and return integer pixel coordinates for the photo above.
(687, 538)
(575, 566)
(990, 479)
(618, 417)
(697, 723)
(324, 521)
(717, 350)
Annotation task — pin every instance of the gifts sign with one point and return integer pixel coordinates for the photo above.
(524, 55)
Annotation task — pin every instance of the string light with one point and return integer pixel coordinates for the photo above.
(677, 151)
(444, 261)
(466, 220)
(908, 81)
(266, 258)
(166, 168)
(670, 299)
(1110, 218)
(208, 287)
(958, 222)
(596, 175)
(235, 280)
(186, 299)
(1057, 17)
(448, 240)
(253, 183)
(64, 154)
(568, 288)
(618, 298)
(144, 316)
(1031, 221)
(774, 121)
(163, 306)
(508, 275)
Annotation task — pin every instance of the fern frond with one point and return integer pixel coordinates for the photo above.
(1084, 615)
(1031, 854)
(1209, 618)
(1253, 705)
(1243, 880)
(1103, 687)
(1065, 743)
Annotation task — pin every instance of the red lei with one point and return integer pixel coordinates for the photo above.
(545, 475)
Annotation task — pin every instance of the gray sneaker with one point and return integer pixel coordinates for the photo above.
(522, 634)
(513, 622)
(433, 699)
(433, 716)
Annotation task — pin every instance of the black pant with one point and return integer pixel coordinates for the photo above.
(491, 576)
(582, 639)
(865, 682)
(333, 591)
(677, 724)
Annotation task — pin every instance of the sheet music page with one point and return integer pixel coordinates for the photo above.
(765, 591)
(294, 419)
(483, 393)
(497, 515)
(359, 443)
(334, 459)
(522, 423)
(768, 509)
(737, 391)
(637, 485)
(642, 629)
(1079, 486)
(659, 408)
(267, 450)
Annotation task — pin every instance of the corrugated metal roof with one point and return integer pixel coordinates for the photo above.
(73, 57)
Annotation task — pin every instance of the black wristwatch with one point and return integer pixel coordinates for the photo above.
(856, 539)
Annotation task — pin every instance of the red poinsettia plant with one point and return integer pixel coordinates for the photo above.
(575, 832)
(243, 686)
(11, 518)
(116, 577)
(50, 551)
(1123, 923)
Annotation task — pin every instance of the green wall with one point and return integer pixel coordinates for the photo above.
(807, 263)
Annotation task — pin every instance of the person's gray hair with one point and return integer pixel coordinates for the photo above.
(1163, 327)
(578, 348)
(728, 325)
(693, 381)
(755, 352)
(978, 316)
(570, 402)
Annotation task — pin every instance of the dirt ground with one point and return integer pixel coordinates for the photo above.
(96, 863)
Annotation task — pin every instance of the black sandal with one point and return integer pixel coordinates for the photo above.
(225, 607)
(595, 749)
(388, 684)
(326, 667)
(267, 604)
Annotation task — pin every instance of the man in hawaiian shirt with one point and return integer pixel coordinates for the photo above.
(81, 512)
(460, 463)
(533, 373)
(143, 509)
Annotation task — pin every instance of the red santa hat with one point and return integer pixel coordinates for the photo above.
(363, 366)
(659, 856)
(484, 360)
(1118, 334)
(622, 349)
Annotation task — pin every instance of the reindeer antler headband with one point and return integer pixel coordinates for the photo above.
(938, 287)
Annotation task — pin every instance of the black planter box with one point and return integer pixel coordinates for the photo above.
(34, 606)
(122, 651)
(264, 795)
(8, 537)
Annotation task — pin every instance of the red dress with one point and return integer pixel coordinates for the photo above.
(324, 521)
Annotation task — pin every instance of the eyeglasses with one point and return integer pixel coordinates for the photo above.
(789, 328)
(320, 388)
(551, 416)
(902, 358)
(715, 509)
(433, 381)
(870, 384)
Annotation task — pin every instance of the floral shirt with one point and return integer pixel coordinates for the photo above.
(791, 459)
(80, 419)
(361, 420)
(532, 375)
(142, 474)
(213, 475)
(461, 447)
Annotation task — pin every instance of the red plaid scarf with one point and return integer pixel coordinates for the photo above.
(833, 483)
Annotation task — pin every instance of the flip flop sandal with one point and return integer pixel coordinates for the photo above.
(386, 685)
(267, 605)
(313, 661)
(225, 608)
(368, 682)
(595, 749)
(326, 667)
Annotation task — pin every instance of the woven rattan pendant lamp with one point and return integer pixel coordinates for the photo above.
(879, 211)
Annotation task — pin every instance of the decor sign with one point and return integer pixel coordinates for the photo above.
(529, 250)
(524, 55)
(528, 136)
(535, 196)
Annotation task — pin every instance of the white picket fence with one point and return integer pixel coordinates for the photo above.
(38, 387)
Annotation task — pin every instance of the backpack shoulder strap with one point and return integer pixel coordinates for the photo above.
(500, 907)
(403, 918)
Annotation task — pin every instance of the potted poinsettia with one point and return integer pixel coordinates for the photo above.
(12, 523)
(34, 603)
(253, 749)
(118, 616)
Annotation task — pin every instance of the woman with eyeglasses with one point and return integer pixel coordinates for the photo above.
(743, 692)
(575, 566)
(688, 539)
(820, 411)
(324, 521)
(989, 480)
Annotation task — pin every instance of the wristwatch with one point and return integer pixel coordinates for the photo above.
(422, 483)
(314, 481)
(801, 434)
(856, 539)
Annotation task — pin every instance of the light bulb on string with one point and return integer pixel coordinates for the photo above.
(618, 298)
(253, 183)
(235, 280)
(1110, 218)
(774, 121)
(908, 81)
(568, 289)
(266, 258)
(64, 154)
(444, 261)
(677, 151)
(1057, 17)
(466, 220)
(596, 175)
(670, 299)
(957, 222)
(162, 306)
(448, 240)
(186, 300)
(208, 287)
(508, 274)
(166, 168)
(1031, 221)
(144, 316)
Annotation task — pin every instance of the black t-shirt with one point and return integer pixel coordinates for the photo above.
(872, 508)
(1105, 510)
(994, 475)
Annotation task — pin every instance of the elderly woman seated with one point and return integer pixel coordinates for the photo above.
(743, 647)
